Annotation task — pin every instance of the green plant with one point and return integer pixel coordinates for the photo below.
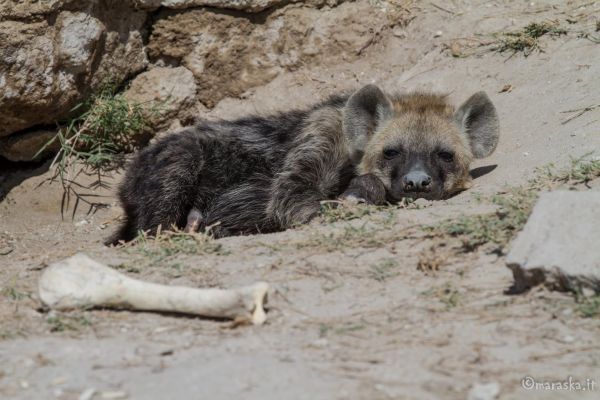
(446, 294)
(105, 126)
(588, 307)
(61, 323)
(383, 270)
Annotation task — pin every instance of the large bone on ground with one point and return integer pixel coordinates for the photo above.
(79, 281)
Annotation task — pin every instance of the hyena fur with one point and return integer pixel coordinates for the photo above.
(263, 174)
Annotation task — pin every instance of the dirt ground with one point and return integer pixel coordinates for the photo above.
(351, 314)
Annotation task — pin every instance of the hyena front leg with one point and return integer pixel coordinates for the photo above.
(367, 189)
(312, 172)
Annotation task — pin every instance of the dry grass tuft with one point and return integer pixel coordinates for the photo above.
(526, 39)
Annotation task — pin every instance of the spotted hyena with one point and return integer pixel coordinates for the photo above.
(267, 173)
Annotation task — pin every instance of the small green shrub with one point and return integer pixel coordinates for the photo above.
(93, 142)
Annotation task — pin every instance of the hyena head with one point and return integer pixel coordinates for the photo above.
(417, 144)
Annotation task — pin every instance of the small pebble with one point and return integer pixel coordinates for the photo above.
(484, 391)
(568, 339)
(399, 32)
(87, 394)
(113, 395)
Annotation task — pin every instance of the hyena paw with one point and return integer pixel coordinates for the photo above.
(352, 199)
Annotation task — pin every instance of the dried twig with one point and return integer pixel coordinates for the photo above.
(579, 111)
(442, 8)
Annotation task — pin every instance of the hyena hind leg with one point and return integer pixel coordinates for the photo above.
(194, 221)
(240, 210)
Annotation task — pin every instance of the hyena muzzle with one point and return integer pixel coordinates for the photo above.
(263, 174)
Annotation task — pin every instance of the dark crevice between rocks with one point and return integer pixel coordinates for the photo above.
(12, 173)
(151, 18)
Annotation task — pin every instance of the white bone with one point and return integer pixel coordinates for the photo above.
(79, 281)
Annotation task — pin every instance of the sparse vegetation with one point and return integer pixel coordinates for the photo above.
(526, 39)
(588, 307)
(515, 206)
(334, 211)
(166, 245)
(430, 260)
(581, 171)
(67, 322)
(446, 294)
(93, 142)
(14, 295)
(344, 329)
(383, 270)
(351, 236)
(498, 228)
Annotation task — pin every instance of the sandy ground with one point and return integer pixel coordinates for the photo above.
(351, 315)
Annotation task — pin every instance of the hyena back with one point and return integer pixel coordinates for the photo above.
(263, 174)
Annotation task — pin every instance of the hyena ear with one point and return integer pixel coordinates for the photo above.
(365, 110)
(477, 118)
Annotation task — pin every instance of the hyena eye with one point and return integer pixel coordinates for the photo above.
(446, 156)
(390, 153)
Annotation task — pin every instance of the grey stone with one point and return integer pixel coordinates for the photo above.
(560, 244)
(484, 391)
(165, 92)
(77, 39)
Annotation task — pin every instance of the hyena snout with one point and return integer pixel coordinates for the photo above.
(417, 181)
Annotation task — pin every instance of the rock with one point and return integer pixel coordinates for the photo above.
(242, 5)
(484, 391)
(559, 245)
(24, 146)
(230, 53)
(53, 58)
(165, 92)
(77, 40)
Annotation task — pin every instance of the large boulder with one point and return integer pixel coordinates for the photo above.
(228, 53)
(52, 58)
(559, 245)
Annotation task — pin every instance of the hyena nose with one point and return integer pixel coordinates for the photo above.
(417, 181)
